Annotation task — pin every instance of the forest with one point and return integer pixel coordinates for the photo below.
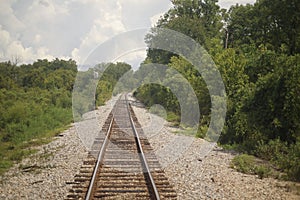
(36, 102)
(35, 105)
(256, 49)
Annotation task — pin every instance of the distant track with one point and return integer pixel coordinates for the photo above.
(121, 164)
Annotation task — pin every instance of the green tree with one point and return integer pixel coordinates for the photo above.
(198, 19)
(272, 23)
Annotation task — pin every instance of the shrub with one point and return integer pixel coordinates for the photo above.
(249, 164)
(244, 163)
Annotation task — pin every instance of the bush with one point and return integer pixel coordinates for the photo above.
(244, 163)
(201, 133)
(291, 163)
(172, 117)
(30, 111)
(285, 157)
(249, 164)
(262, 171)
(274, 150)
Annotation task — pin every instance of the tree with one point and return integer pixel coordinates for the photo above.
(272, 23)
(198, 19)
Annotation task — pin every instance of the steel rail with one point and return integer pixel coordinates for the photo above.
(146, 170)
(142, 155)
(99, 160)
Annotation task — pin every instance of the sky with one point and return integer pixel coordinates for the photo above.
(72, 29)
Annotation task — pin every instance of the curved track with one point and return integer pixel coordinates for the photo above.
(122, 164)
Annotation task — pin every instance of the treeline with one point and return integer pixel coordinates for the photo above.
(95, 86)
(256, 49)
(36, 102)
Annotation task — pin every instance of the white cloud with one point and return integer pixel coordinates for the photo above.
(75, 54)
(118, 17)
(137, 13)
(8, 19)
(12, 48)
(51, 28)
(133, 58)
(4, 38)
(16, 48)
(37, 38)
(34, 29)
(45, 10)
(19, 27)
(106, 25)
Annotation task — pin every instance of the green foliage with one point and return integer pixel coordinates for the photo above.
(262, 171)
(285, 157)
(151, 94)
(250, 165)
(202, 130)
(200, 20)
(90, 91)
(172, 117)
(292, 164)
(256, 48)
(271, 23)
(179, 77)
(244, 163)
(4, 165)
(35, 104)
(112, 74)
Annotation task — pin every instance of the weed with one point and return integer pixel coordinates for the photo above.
(249, 164)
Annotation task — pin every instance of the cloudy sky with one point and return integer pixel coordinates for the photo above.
(35, 29)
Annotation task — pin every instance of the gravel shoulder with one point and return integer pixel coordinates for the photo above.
(46, 174)
(200, 170)
(197, 169)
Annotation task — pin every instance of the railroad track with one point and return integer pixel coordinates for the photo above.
(121, 164)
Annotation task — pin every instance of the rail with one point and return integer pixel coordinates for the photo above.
(147, 172)
(108, 173)
(99, 160)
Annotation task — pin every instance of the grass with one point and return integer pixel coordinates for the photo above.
(186, 131)
(4, 165)
(13, 152)
(249, 164)
(173, 118)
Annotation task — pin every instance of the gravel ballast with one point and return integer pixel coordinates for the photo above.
(197, 169)
(46, 174)
(201, 170)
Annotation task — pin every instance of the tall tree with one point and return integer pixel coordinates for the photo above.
(272, 23)
(198, 19)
